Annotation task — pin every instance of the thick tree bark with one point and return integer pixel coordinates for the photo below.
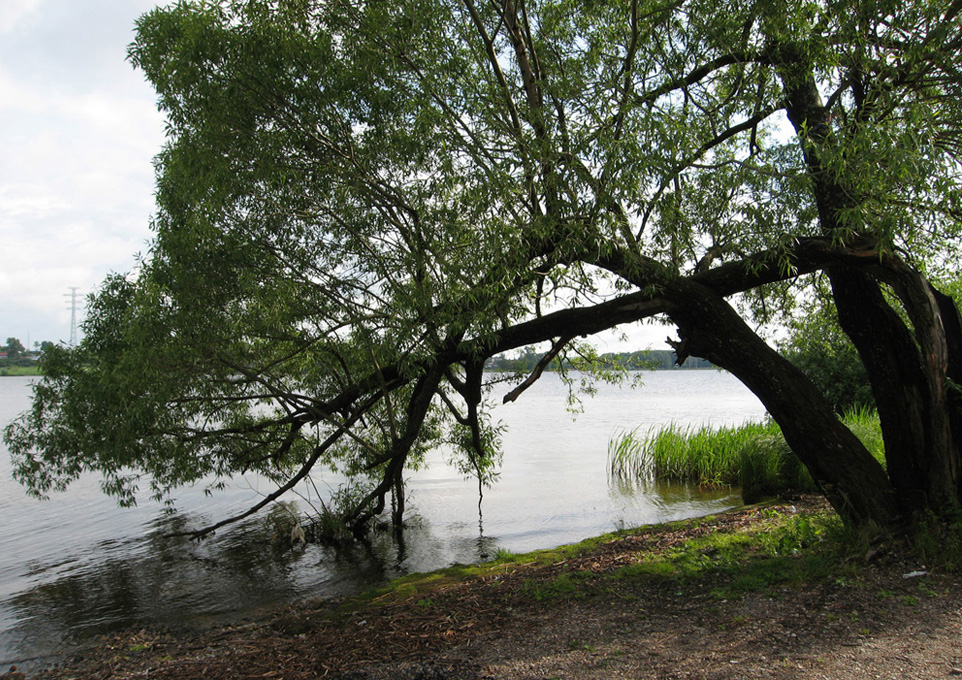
(908, 372)
(890, 356)
(952, 324)
(908, 369)
(932, 331)
(852, 480)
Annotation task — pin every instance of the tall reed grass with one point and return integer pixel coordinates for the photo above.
(753, 456)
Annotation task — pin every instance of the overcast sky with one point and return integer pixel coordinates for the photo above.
(78, 132)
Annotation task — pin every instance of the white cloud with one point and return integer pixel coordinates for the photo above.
(14, 12)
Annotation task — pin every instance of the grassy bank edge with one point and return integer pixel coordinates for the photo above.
(779, 544)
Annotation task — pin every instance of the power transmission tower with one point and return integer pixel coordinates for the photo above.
(72, 296)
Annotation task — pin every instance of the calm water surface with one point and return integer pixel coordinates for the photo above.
(77, 565)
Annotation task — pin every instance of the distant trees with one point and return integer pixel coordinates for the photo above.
(644, 360)
(19, 360)
(13, 348)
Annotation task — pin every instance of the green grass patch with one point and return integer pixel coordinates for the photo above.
(785, 549)
(938, 543)
(656, 569)
(19, 370)
(563, 586)
(502, 556)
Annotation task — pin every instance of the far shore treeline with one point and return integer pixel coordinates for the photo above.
(15, 359)
(644, 360)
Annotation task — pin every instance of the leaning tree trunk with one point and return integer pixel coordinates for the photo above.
(852, 480)
(909, 370)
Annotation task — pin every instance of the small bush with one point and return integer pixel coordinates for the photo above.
(937, 542)
(769, 468)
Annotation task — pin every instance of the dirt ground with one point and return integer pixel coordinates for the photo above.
(575, 619)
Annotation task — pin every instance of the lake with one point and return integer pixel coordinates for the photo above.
(78, 566)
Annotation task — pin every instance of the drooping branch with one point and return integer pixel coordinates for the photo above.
(750, 124)
(474, 380)
(698, 74)
(492, 56)
(302, 472)
(418, 406)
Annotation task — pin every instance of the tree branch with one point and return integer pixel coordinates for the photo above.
(302, 472)
(538, 370)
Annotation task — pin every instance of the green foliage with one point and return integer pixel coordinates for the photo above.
(327, 521)
(794, 536)
(819, 347)
(938, 544)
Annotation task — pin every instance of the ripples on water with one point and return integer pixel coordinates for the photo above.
(78, 566)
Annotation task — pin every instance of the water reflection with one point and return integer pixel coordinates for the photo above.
(486, 546)
(672, 495)
(179, 583)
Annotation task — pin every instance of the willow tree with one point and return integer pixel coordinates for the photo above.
(361, 202)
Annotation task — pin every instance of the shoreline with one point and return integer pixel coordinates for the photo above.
(729, 595)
